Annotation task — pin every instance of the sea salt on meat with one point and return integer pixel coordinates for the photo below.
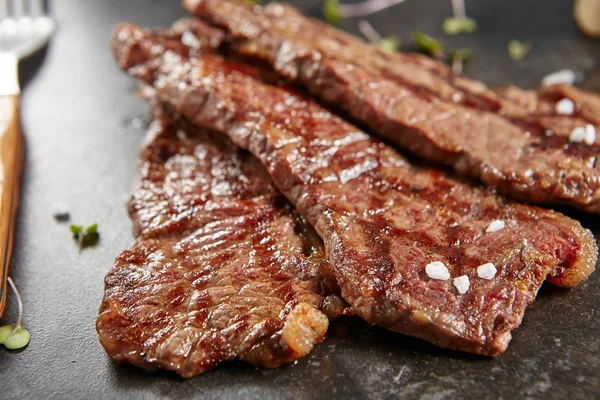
(379, 258)
(437, 270)
(486, 271)
(462, 283)
(563, 76)
(578, 135)
(495, 226)
(565, 107)
(590, 134)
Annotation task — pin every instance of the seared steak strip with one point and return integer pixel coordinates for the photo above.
(222, 268)
(419, 104)
(382, 220)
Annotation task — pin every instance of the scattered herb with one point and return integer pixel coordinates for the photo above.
(331, 11)
(457, 25)
(458, 57)
(518, 50)
(85, 237)
(428, 44)
(253, 1)
(461, 54)
(15, 337)
(390, 43)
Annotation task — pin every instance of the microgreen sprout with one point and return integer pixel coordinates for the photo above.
(428, 44)
(332, 12)
(458, 58)
(518, 50)
(15, 337)
(455, 25)
(85, 237)
(389, 43)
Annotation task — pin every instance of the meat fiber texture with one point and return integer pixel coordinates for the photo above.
(513, 140)
(382, 219)
(222, 266)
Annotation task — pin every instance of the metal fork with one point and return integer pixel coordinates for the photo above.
(25, 27)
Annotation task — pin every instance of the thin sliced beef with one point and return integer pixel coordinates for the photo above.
(421, 105)
(382, 219)
(222, 268)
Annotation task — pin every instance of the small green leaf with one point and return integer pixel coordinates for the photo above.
(85, 237)
(5, 332)
(76, 230)
(518, 50)
(90, 239)
(331, 11)
(19, 339)
(454, 25)
(461, 54)
(428, 44)
(91, 229)
(390, 43)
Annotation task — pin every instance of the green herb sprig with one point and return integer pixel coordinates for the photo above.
(390, 43)
(428, 44)
(458, 25)
(15, 337)
(332, 12)
(518, 50)
(458, 57)
(85, 237)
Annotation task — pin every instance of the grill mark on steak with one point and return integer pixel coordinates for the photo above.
(382, 220)
(506, 149)
(222, 267)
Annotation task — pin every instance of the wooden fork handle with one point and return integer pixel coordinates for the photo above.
(11, 166)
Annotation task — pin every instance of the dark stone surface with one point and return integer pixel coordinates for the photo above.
(83, 126)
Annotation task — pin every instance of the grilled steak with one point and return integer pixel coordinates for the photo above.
(222, 268)
(382, 219)
(421, 105)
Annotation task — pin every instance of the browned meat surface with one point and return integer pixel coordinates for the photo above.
(422, 106)
(222, 267)
(382, 219)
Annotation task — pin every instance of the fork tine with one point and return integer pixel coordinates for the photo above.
(36, 8)
(18, 8)
(3, 9)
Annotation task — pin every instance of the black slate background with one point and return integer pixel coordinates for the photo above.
(83, 126)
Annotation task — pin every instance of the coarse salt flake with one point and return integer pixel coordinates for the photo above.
(565, 107)
(590, 134)
(495, 226)
(437, 270)
(563, 76)
(486, 271)
(577, 135)
(462, 283)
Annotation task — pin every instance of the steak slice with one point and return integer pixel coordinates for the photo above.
(382, 219)
(222, 268)
(422, 106)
